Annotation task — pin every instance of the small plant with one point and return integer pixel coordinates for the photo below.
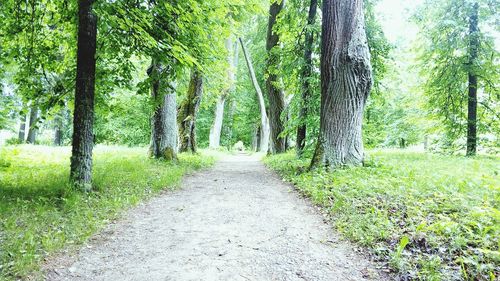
(396, 260)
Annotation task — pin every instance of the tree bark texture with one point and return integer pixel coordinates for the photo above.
(32, 131)
(274, 90)
(346, 79)
(305, 76)
(22, 129)
(188, 111)
(83, 119)
(164, 134)
(264, 121)
(472, 97)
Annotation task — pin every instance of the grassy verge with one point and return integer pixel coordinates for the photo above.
(429, 217)
(40, 215)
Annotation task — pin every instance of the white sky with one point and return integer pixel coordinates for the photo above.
(394, 15)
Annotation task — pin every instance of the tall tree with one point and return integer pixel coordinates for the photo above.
(472, 97)
(232, 60)
(83, 118)
(346, 79)
(306, 76)
(188, 111)
(164, 121)
(275, 91)
(264, 134)
(459, 65)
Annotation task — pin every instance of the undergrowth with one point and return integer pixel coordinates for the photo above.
(40, 214)
(429, 217)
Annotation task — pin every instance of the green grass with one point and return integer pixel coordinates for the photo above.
(430, 217)
(40, 214)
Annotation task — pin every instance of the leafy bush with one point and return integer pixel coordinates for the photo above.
(13, 141)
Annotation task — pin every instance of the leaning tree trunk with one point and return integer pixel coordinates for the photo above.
(164, 121)
(346, 79)
(188, 111)
(472, 98)
(263, 143)
(305, 76)
(32, 130)
(275, 93)
(22, 129)
(83, 118)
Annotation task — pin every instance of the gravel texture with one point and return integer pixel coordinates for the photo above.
(236, 221)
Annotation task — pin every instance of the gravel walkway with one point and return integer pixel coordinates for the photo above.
(236, 221)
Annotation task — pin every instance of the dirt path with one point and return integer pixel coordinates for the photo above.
(237, 221)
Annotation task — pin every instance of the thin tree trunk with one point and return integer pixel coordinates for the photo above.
(288, 112)
(228, 128)
(164, 121)
(58, 130)
(188, 111)
(305, 77)
(215, 130)
(346, 79)
(22, 129)
(258, 138)
(32, 131)
(472, 98)
(264, 121)
(275, 93)
(83, 119)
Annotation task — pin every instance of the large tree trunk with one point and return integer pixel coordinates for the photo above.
(164, 129)
(305, 76)
(83, 119)
(472, 99)
(188, 111)
(32, 131)
(275, 93)
(22, 129)
(346, 79)
(264, 121)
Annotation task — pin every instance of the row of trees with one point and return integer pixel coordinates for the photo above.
(317, 75)
(40, 41)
